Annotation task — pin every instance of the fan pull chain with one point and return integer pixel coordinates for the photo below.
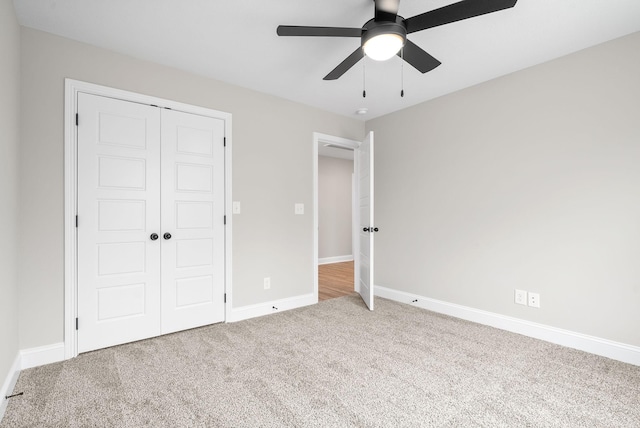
(364, 79)
(402, 73)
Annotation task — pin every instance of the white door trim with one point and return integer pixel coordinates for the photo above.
(72, 88)
(319, 138)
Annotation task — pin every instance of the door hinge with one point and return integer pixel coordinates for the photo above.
(225, 297)
(76, 119)
(76, 221)
(225, 219)
(224, 141)
(76, 323)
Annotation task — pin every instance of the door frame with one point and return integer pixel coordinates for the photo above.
(319, 138)
(72, 88)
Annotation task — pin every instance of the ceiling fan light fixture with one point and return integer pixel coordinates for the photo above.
(384, 46)
(382, 40)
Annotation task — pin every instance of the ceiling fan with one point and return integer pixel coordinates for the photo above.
(386, 34)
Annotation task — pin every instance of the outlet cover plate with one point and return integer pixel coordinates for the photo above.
(520, 297)
(534, 300)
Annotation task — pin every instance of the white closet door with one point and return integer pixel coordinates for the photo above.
(118, 209)
(193, 216)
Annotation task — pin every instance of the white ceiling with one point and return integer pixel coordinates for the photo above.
(235, 41)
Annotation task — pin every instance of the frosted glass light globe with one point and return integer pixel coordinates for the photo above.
(383, 46)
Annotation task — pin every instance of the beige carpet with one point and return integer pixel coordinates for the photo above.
(334, 364)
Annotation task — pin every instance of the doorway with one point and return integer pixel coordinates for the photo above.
(335, 221)
(335, 216)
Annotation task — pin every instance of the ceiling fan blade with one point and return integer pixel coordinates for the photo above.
(418, 58)
(295, 30)
(455, 12)
(386, 10)
(345, 65)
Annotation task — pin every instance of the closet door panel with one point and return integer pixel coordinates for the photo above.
(118, 210)
(193, 214)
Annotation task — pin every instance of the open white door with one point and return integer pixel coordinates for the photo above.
(364, 262)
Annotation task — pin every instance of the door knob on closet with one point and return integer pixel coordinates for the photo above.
(167, 235)
(365, 229)
(154, 236)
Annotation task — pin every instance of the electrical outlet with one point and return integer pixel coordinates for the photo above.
(298, 209)
(534, 300)
(521, 297)
(267, 283)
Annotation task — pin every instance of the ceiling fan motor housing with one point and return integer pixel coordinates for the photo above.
(375, 28)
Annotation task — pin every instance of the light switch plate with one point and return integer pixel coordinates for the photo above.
(236, 207)
(298, 209)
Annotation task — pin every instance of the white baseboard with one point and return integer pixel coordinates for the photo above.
(595, 345)
(34, 357)
(26, 359)
(252, 311)
(8, 385)
(335, 259)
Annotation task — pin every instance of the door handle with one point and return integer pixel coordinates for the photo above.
(370, 229)
(167, 235)
(153, 236)
(365, 229)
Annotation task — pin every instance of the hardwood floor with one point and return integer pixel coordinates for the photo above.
(335, 280)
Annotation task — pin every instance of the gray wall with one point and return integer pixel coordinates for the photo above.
(9, 142)
(334, 207)
(529, 181)
(272, 170)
